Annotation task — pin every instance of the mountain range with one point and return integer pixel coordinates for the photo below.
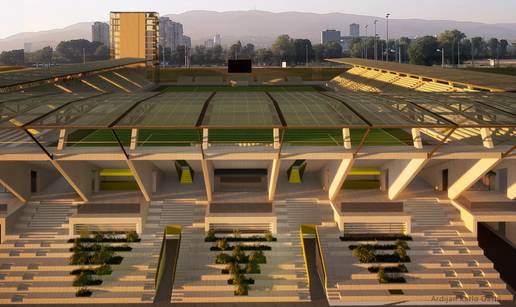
(261, 28)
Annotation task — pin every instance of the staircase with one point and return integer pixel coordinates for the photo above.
(44, 220)
(446, 263)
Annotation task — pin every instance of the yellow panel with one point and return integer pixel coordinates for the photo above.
(132, 35)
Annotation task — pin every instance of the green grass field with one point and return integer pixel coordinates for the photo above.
(510, 71)
(253, 88)
(189, 137)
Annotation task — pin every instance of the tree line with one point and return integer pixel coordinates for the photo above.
(73, 51)
(428, 50)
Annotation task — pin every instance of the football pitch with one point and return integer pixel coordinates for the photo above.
(252, 88)
(190, 137)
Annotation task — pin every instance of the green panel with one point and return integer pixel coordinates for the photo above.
(258, 88)
(168, 137)
(240, 136)
(98, 138)
(314, 137)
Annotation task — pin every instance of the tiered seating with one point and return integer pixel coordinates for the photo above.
(435, 87)
(408, 82)
(446, 262)
(121, 80)
(343, 81)
(136, 75)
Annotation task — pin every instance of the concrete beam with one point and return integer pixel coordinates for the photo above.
(134, 139)
(487, 138)
(276, 138)
(205, 138)
(401, 173)
(79, 176)
(15, 177)
(207, 171)
(143, 172)
(273, 178)
(346, 134)
(463, 176)
(339, 171)
(416, 138)
(511, 181)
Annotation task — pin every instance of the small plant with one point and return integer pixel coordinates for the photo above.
(364, 254)
(402, 243)
(103, 255)
(84, 234)
(83, 279)
(241, 289)
(210, 236)
(258, 257)
(238, 254)
(401, 252)
(83, 292)
(104, 269)
(222, 244)
(98, 237)
(80, 257)
(233, 268)
(381, 275)
(252, 267)
(132, 236)
(269, 237)
(236, 234)
(222, 258)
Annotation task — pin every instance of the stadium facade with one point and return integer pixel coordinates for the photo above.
(246, 156)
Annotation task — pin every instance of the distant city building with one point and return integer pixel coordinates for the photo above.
(217, 40)
(100, 33)
(354, 30)
(134, 35)
(187, 41)
(330, 36)
(210, 43)
(27, 47)
(170, 33)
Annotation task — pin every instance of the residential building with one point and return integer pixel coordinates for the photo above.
(171, 33)
(187, 41)
(217, 40)
(329, 36)
(134, 35)
(210, 43)
(100, 33)
(354, 30)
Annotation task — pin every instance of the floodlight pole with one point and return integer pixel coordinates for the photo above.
(366, 40)
(306, 62)
(387, 42)
(458, 53)
(84, 55)
(375, 41)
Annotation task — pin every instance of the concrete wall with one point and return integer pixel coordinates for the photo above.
(79, 175)
(15, 177)
(510, 232)
(511, 180)
(143, 172)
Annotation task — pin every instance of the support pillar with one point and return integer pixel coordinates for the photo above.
(205, 139)
(511, 181)
(143, 174)
(340, 171)
(273, 180)
(416, 138)
(464, 176)
(401, 173)
(487, 137)
(346, 134)
(78, 174)
(207, 170)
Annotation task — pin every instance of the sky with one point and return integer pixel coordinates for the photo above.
(41, 15)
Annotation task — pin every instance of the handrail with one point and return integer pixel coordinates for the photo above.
(302, 230)
(169, 231)
(322, 258)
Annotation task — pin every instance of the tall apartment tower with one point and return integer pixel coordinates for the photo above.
(134, 35)
(170, 33)
(354, 30)
(330, 36)
(217, 40)
(100, 33)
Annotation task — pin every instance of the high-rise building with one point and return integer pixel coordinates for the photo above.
(187, 41)
(330, 36)
(100, 33)
(27, 47)
(354, 30)
(170, 33)
(134, 35)
(217, 40)
(210, 43)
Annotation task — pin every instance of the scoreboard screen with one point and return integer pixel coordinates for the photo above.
(240, 66)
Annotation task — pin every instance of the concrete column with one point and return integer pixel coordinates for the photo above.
(15, 177)
(339, 170)
(487, 138)
(78, 174)
(416, 138)
(143, 174)
(205, 139)
(401, 174)
(62, 139)
(346, 134)
(207, 170)
(276, 137)
(96, 181)
(273, 178)
(464, 174)
(511, 180)
(134, 139)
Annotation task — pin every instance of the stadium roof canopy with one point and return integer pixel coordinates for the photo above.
(260, 110)
(32, 75)
(470, 79)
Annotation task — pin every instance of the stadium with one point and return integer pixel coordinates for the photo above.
(366, 184)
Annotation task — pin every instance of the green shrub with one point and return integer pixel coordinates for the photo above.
(104, 269)
(258, 257)
(364, 254)
(210, 236)
(223, 258)
(381, 275)
(402, 243)
(400, 268)
(238, 254)
(401, 252)
(222, 244)
(132, 236)
(102, 256)
(233, 268)
(241, 289)
(83, 279)
(98, 237)
(80, 257)
(269, 237)
(83, 292)
(252, 267)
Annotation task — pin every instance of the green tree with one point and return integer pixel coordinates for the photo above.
(13, 57)
(504, 44)
(450, 40)
(303, 49)
(283, 48)
(494, 48)
(73, 51)
(423, 51)
(333, 50)
(265, 57)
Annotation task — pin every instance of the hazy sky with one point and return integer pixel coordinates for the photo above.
(49, 14)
